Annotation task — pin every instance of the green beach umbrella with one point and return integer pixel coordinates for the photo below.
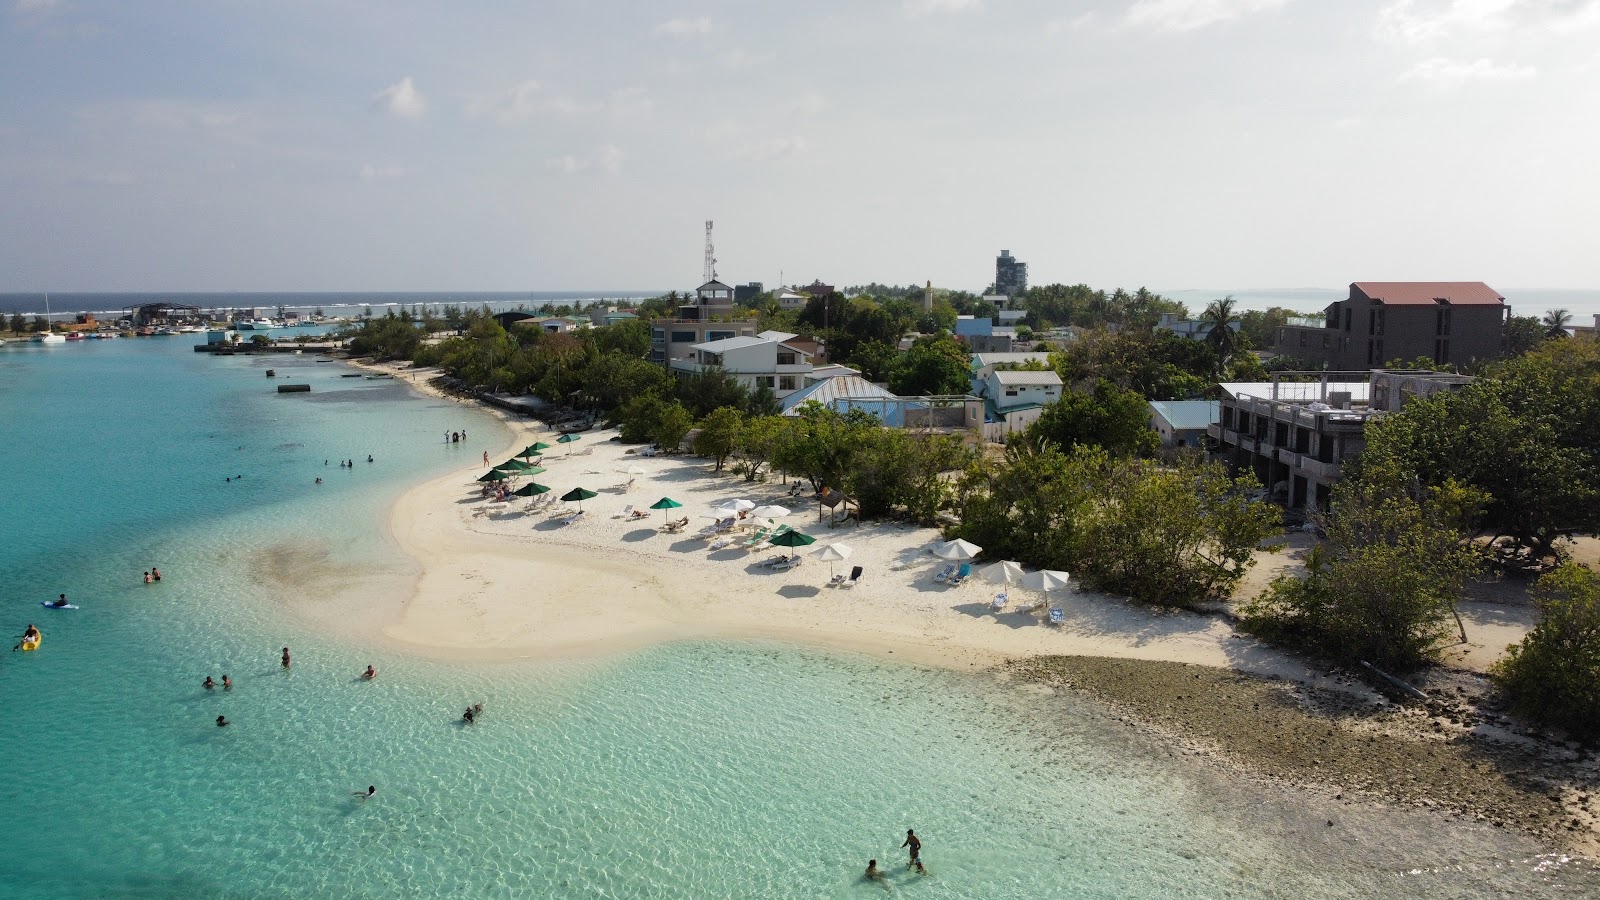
(664, 504)
(493, 475)
(567, 439)
(792, 539)
(513, 465)
(533, 470)
(531, 489)
(579, 494)
(534, 449)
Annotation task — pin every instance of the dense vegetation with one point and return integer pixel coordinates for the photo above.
(1553, 675)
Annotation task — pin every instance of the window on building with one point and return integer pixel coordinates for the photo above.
(1349, 314)
(766, 381)
(786, 357)
(1381, 317)
(1011, 392)
(718, 335)
(786, 382)
(682, 337)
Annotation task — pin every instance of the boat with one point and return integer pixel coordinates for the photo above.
(75, 336)
(49, 605)
(33, 644)
(49, 336)
(256, 325)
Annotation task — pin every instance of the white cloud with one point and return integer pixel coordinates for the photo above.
(809, 104)
(686, 27)
(606, 158)
(370, 172)
(1449, 73)
(1421, 21)
(402, 99)
(928, 7)
(1188, 15)
(772, 148)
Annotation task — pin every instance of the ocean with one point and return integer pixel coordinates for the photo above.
(685, 771)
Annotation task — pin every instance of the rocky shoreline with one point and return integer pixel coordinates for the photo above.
(1455, 753)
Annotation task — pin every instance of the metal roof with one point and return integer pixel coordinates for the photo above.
(1019, 376)
(1297, 391)
(842, 387)
(1187, 415)
(733, 343)
(1427, 293)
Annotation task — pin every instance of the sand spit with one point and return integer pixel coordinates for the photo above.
(1454, 755)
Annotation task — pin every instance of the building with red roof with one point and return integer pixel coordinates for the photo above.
(1449, 322)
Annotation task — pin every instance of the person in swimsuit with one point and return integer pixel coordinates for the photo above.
(147, 578)
(222, 722)
(872, 869)
(155, 573)
(468, 716)
(227, 683)
(208, 684)
(370, 673)
(286, 657)
(368, 793)
(915, 843)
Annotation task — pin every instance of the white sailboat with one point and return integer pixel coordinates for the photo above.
(49, 336)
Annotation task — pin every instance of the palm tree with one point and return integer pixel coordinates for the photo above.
(1555, 323)
(1222, 338)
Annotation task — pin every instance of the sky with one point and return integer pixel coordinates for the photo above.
(570, 145)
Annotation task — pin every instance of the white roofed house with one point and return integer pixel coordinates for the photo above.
(1016, 397)
(755, 361)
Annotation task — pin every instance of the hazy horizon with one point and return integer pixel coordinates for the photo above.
(186, 145)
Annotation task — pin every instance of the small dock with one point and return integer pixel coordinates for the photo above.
(248, 349)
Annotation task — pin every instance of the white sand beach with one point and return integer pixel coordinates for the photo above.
(499, 581)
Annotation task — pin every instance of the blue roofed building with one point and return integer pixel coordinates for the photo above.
(1183, 423)
(843, 393)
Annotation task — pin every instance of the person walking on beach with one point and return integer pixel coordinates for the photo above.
(486, 457)
(915, 843)
(286, 657)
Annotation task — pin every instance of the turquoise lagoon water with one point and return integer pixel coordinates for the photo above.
(693, 770)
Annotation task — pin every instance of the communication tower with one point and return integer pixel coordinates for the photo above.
(711, 256)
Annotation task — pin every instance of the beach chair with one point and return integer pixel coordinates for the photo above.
(962, 574)
(855, 576)
(719, 543)
(757, 539)
(638, 514)
(1057, 615)
(626, 512)
(943, 575)
(572, 518)
(999, 602)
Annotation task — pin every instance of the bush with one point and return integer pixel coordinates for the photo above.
(1553, 676)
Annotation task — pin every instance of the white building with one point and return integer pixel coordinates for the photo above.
(757, 361)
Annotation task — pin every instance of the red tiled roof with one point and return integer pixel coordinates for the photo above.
(1426, 293)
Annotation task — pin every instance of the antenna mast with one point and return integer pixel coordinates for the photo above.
(711, 257)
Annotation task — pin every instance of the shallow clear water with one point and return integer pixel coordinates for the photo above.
(691, 770)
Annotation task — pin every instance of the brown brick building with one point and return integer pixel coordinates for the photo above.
(1453, 322)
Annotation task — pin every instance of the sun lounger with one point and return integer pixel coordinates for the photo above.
(719, 543)
(677, 526)
(855, 576)
(962, 574)
(943, 575)
(626, 512)
(999, 602)
(789, 562)
(1057, 615)
(760, 537)
(572, 518)
(638, 514)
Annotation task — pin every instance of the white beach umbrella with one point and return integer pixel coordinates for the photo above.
(736, 506)
(832, 553)
(1004, 572)
(1045, 580)
(958, 549)
(770, 512)
(635, 470)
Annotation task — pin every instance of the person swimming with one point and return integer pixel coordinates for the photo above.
(222, 722)
(370, 673)
(208, 684)
(371, 791)
(872, 869)
(286, 657)
(468, 716)
(369, 457)
(227, 683)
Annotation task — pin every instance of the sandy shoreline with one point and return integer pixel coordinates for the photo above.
(500, 582)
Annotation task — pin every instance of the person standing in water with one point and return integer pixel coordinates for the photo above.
(370, 673)
(208, 684)
(155, 573)
(286, 657)
(915, 843)
(227, 683)
(222, 722)
(873, 871)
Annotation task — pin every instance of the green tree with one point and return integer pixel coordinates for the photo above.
(1159, 366)
(1553, 675)
(893, 468)
(875, 359)
(1109, 417)
(1555, 323)
(610, 378)
(709, 389)
(1171, 536)
(1384, 589)
(1259, 327)
(1028, 506)
(1523, 333)
(934, 365)
(671, 425)
(637, 418)
(763, 402)
(1219, 319)
(719, 434)
(630, 337)
(18, 323)
(758, 440)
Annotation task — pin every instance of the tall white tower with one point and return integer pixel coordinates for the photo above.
(711, 256)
